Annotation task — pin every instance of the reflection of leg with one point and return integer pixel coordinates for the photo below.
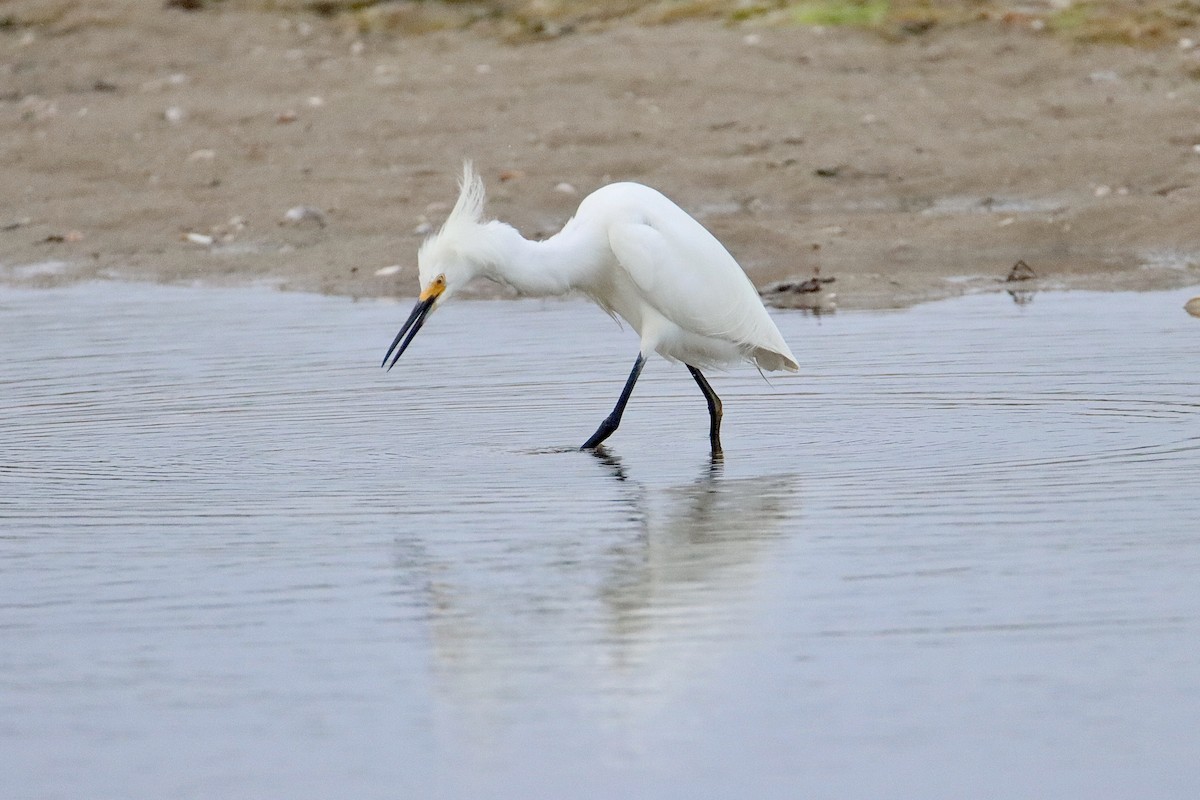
(614, 419)
(714, 409)
(611, 461)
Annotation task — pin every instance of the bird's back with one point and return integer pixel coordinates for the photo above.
(687, 278)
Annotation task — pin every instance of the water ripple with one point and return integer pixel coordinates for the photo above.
(241, 559)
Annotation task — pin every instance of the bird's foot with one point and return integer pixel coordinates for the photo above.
(603, 432)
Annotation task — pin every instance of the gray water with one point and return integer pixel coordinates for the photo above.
(958, 556)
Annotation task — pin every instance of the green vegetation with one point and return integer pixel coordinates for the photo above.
(1126, 22)
(1119, 21)
(1142, 22)
(870, 13)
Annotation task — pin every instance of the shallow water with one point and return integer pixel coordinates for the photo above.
(956, 557)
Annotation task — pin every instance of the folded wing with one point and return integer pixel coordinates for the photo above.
(688, 277)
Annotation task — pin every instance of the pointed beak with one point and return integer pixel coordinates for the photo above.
(415, 320)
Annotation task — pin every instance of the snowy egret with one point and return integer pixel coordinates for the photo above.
(636, 254)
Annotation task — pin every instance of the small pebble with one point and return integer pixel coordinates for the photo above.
(1193, 306)
(1102, 191)
(286, 117)
(38, 108)
(797, 286)
(199, 238)
(810, 294)
(384, 271)
(174, 114)
(1020, 272)
(298, 214)
(566, 188)
(202, 155)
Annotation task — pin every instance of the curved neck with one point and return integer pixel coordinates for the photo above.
(555, 266)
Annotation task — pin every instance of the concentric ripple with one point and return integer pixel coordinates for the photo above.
(959, 550)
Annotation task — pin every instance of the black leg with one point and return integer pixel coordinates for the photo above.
(614, 419)
(714, 409)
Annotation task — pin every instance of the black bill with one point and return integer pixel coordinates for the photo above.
(415, 320)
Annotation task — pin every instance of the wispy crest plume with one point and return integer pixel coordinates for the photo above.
(468, 210)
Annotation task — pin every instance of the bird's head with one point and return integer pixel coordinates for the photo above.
(447, 260)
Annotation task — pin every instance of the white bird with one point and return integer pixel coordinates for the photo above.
(636, 254)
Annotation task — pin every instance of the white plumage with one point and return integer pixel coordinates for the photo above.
(636, 254)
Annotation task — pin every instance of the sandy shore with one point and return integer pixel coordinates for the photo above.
(173, 145)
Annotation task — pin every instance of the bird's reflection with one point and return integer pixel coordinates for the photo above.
(611, 462)
(716, 462)
(700, 546)
(656, 588)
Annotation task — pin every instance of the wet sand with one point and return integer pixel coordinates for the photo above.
(165, 145)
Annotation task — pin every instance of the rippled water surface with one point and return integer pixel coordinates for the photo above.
(959, 556)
